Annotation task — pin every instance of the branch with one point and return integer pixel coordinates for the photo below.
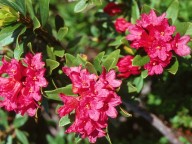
(155, 122)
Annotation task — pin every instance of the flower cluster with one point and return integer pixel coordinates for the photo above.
(20, 84)
(112, 9)
(96, 101)
(154, 34)
(126, 68)
(121, 25)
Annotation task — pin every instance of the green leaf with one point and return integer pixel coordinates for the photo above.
(131, 88)
(9, 34)
(36, 23)
(64, 121)
(18, 51)
(77, 139)
(135, 13)
(9, 140)
(173, 10)
(50, 52)
(3, 119)
(80, 6)
(59, 51)
(69, 59)
(51, 64)
(19, 121)
(21, 136)
(144, 74)
(44, 11)
(97, 61)
(138, 82)
(125, 113)
(182, 27)
(111, 60)
(54, 94)
(117, 42)
(90, 68)
(140, 61)
(61, 33)
(145, 9)
(174, 67)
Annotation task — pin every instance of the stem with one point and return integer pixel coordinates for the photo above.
(155, 122)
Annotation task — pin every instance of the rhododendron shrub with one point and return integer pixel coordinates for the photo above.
(21, 85)
(95, 71)
(95, 103)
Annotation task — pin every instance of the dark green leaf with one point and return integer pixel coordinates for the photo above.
(111, 60)
(135, 13)
(3, 119)
(59, 22)
(52, 64)
(174, 67)
(44, 11)
(19, 121)
(54, 94)
(21, 136)
(173, 10)
(80, 6)
(64, 121)
(90, 68)
(140, 60)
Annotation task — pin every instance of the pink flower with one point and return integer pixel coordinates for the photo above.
(156, 65)
(96, 101)
(112, 9)
(179, 45)
(121, 25)
(20, 89)
(126, 68)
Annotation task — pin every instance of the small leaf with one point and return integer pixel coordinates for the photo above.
(131, 88)
(135, 13)
(21, 136)
(61, 33)
(59, 51)
(97, 61)
(140, 61)
(80, 6)
(69, 59)
(144, 74)
(173, 10)
(125, 113)
(52, 64)
(18, 51)
(19, 121)
(174, 68)
(138, 82)
(64, 121)
(44, 11)
(54, 94)
(111, 60)
(145, 9)
(90, 68)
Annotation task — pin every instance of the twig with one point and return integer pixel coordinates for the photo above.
(155, 122)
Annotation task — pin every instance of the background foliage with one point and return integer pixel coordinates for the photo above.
(78, 32)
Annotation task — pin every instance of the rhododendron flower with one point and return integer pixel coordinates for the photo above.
(20, 89)
(126, 68)
(156, 65)
(121, 25)
(96, 101)
(112, 9)
(154, 34)
(179, 45)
